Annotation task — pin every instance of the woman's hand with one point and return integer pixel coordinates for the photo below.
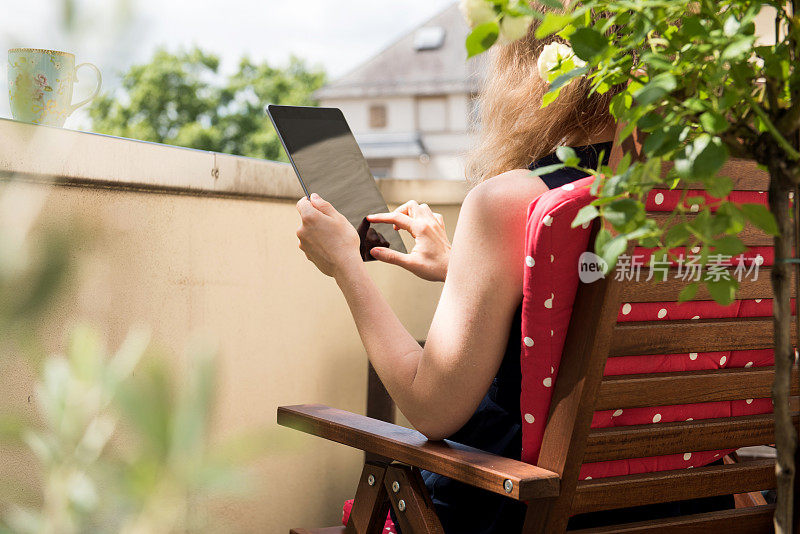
(326, 236)
(431, 253)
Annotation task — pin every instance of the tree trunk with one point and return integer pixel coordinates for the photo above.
(785, 433)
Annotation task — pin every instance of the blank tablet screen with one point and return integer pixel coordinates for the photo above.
(329, 162)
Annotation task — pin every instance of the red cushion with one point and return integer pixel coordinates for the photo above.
(550, 283)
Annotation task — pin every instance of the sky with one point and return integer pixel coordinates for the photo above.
(335, 34)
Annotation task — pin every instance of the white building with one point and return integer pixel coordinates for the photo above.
(412, 105)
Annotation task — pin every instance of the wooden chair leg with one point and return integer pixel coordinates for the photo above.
(371, 504)
(744, 500)
(410, 501)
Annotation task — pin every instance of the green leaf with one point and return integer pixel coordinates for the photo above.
(482, 38)
(586, 214)
(708, 156)
(552, 23)
(759, 215)
(731, 26)
(661, 142)
(650, 121)
(728, 245)
(656, 89)
(738, 48)
(547, 169)
(612, 249)
(620, 212)
(567, 155)
(563, 79)
(722, 291)
(719, 186)
(713, 122)
(676, 236)
(552, 4)
(688, 292)
(693, 27)
(588, 43)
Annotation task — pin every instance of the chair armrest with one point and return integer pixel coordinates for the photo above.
(453, 460)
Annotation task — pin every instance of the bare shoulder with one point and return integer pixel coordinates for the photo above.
(505, 196)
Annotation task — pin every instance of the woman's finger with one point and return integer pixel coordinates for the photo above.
(400, 220)
(408, 208)
(305, 208)
(439, 218)
(322, 205)
(388, 255)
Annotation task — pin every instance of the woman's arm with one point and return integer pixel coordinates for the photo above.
(440, 387)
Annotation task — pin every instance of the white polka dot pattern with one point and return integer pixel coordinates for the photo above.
(723, 360)
(626, 308)
(657, 418)
(547, 382)
(528, 342)
(659, 198)
(693, 356)
(529, 418)
(529, 261)
(547, 221)
(549, 302)
(687, 456)
(661, 313)
(616, 413)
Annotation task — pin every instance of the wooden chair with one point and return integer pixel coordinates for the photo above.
(551, 489)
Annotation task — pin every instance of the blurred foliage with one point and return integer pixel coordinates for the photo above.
(182, 99)
(117, 442)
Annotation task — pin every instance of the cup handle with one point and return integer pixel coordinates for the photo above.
(95, 92)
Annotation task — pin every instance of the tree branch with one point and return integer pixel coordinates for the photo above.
(772, 129)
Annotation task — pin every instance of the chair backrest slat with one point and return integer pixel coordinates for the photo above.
(739, 521)
(643, 441)
(669, 289)
(751, 235)
(745, 174)
(702, 335)
(666, 389)
(663, 486)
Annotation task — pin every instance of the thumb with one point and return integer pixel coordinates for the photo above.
(322, 205)
(388, 255)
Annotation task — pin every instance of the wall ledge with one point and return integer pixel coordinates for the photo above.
(67, 157)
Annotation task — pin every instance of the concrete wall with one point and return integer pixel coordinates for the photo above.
(224, 264)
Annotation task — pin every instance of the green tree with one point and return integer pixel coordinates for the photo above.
(182, 99)
(695, 80)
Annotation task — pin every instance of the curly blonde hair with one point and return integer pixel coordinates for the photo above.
(514, 130)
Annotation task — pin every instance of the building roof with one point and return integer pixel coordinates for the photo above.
(431, 59)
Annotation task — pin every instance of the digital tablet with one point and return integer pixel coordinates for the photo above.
(329, 162)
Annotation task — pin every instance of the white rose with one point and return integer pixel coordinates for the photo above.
(477, 12)
(552, 54)
(513, 28)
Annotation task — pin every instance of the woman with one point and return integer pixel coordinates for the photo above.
(472, 347)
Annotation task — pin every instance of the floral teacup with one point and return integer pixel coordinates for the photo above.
(40, 85)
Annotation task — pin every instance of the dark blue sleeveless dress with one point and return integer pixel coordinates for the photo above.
(496, 427)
